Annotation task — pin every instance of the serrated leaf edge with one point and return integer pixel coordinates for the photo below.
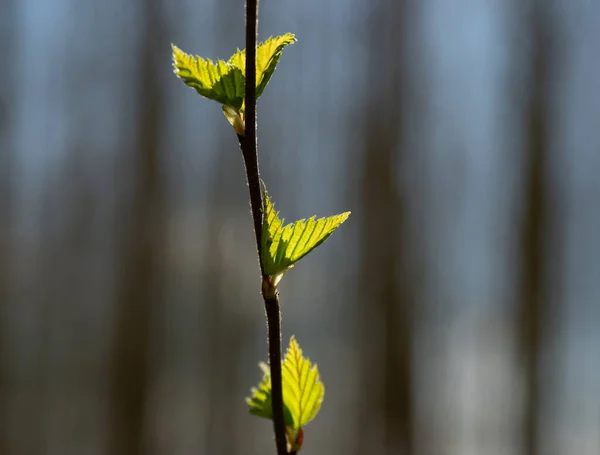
(277, 260)
(236, 63)
(296, 395)
(303, 373)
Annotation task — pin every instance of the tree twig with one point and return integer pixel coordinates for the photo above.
(274, 330)
(248, 144)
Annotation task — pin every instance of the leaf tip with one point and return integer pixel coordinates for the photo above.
(177, 56)
(177, 52)
(294, 346)
(291, 37)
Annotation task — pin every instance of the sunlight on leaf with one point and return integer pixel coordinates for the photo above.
(267, 57)
(303, 391)
(259, 403)
(220, 81)
(225, 82)
(283, 246)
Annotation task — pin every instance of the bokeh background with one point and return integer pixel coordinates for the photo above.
(456, 312)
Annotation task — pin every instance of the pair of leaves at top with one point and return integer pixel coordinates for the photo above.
(225, 82)
(283, 246)
(303, 393)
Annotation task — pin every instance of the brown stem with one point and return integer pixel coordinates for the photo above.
(248, 144)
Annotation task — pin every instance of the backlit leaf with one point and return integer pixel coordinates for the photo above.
(283, 246)
(225, 82)
(303, 391)
(220, 81)
(259, 402)
(267, 57)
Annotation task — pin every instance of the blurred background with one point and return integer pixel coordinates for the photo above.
(456, 312)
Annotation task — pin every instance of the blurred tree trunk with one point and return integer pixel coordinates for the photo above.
(225, 338)
(8, 21)
(227, 330)
(141, 279)
(539, 242)
(386, 412)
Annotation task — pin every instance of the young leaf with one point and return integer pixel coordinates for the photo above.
(225, 82)
(283, 246)
(267, 57)
(220, 81)
(259, 403)
(303, 390)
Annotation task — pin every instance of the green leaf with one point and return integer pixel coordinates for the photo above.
(303, 390)
(260, 404)
(267, 57)
(225, 82)
(283, 246)
(220, 81)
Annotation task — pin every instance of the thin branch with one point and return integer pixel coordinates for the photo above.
(250, 156)
(274, 330)
(248, 144)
